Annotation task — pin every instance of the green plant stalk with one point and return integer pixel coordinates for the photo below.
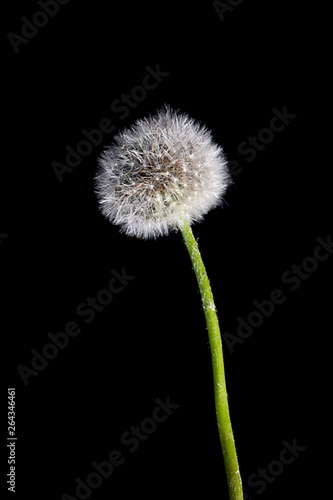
(221, 397)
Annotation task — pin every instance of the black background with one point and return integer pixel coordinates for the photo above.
(151, 342)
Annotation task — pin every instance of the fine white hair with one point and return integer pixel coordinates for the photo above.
(163, 171)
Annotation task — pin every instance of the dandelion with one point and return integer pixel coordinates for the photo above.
(162, 174)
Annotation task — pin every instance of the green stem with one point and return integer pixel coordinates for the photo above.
(221, 397)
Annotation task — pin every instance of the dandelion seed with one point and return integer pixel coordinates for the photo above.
(169, 144)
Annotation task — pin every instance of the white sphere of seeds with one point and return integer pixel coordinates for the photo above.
(161, 172)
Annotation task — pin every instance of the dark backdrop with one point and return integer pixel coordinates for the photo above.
(232, 66)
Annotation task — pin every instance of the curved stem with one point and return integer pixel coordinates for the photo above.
(221, 397)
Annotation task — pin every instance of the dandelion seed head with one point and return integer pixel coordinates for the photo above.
(163, 171)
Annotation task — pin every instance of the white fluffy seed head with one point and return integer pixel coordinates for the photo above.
(161, 172)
